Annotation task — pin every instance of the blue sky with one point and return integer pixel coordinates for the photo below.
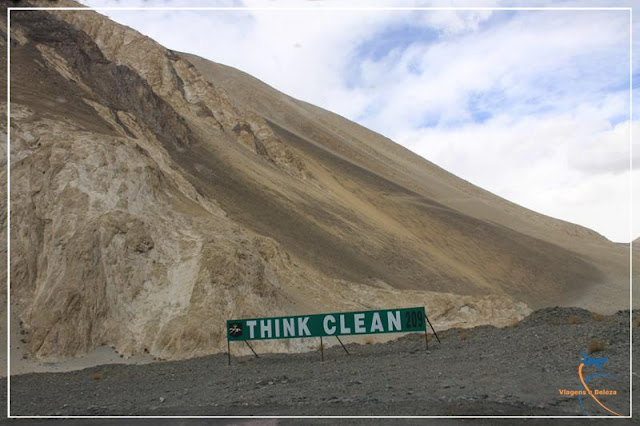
(531, 105)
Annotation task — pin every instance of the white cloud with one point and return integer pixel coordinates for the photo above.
(512, 62)
(606, 152)
(454, 22)
(554, 165)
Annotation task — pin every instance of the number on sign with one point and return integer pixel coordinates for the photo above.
(414, 319)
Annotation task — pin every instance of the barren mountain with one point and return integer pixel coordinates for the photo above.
(155, 194)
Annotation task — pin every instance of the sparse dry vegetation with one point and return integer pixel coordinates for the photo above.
(574, 319)
(368, 341)
(636, 322)
(96, 376)
(462, 335)
(595, 346)
(596, 316)
(514, 324)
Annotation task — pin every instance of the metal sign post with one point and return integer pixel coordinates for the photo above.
(254, 352)
(343, 347)
(426, 339)
(434, 330)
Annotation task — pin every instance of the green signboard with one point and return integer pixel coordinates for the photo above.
(338, 324)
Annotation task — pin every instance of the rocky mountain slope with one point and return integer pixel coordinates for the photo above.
(155, 194)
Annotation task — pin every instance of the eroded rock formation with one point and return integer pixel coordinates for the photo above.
(155, 194)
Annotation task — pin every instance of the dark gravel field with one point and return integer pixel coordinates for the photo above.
(517, 370)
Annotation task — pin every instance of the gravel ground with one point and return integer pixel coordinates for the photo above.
(480, 371)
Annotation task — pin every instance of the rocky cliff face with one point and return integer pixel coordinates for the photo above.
(155, 194)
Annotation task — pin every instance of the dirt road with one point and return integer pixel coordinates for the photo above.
(518, 370)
